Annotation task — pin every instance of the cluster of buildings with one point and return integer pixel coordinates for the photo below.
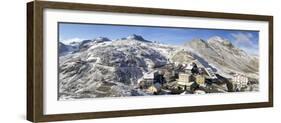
(182, 76)
(190, 78)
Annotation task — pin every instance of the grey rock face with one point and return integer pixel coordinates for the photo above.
(223, 53)
(111, 69)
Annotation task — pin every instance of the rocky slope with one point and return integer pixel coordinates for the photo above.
(101, 69)
(223, 55)
(111, 68)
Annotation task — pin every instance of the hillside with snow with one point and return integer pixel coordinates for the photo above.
(112, 68)
(223, 55)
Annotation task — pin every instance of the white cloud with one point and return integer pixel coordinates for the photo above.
(68, 41)
(243, 39)
(245, 42)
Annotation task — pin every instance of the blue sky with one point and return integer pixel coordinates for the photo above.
(246, 40)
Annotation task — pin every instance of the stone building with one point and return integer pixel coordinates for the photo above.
(200, 79)
(240, 81)
(147, 80)
(184, 79)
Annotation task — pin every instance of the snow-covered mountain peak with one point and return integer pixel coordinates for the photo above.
(101, 39)
(65, 49)
(136, 37)
(74, 43)
(216, 40)
(61, 44)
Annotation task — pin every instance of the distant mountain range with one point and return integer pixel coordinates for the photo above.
(102, 67)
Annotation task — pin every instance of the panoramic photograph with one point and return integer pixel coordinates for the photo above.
(106, 61)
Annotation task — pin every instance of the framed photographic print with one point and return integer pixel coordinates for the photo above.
(90, 61)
